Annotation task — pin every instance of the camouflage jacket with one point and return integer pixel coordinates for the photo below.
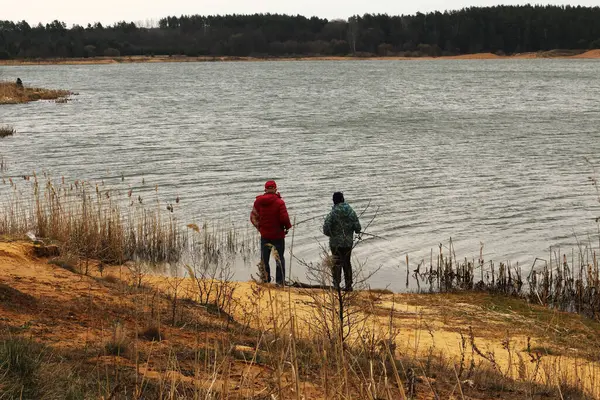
(340, 225)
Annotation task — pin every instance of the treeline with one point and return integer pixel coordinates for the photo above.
(501, 29)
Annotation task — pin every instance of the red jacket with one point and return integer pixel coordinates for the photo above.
(270, 216)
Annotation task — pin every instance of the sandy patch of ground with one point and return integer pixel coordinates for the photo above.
(73, 312)
(589, 54)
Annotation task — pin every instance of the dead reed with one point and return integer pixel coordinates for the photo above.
(218, 243)
(267, 343)
(89, 221)
(566, 283)
(11, 93)
(6, 131)
(272, 343)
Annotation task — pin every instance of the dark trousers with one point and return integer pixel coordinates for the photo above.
(266, 254)
(341, 261)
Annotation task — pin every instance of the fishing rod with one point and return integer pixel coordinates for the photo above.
(324, 215)
(309, 219)
(373, 236)
(360, 233)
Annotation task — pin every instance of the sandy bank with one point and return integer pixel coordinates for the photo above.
(58, 306)
(589, 54)
(555, 54)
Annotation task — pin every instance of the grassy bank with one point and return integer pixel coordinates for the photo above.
(11, 93)
(66, 333)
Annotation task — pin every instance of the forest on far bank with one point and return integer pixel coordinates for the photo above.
(501, 30)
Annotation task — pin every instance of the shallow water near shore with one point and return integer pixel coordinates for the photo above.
(481, 151)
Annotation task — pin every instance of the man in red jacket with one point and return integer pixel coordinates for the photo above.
(269, 215)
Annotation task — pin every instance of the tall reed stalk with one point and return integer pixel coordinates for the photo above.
(89, 221)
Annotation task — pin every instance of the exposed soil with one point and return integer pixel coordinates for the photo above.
(79, 315)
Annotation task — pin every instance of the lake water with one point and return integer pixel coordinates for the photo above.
(483, 151)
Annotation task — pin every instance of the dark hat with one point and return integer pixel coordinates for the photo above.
(338, 197)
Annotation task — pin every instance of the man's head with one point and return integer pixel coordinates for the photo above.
(338, 197)
(270, 187)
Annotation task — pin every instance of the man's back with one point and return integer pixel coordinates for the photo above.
(340, 225)
(270, 216)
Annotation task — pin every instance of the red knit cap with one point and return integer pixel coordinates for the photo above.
(270, 185)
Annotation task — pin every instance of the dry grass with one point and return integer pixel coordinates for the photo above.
(95, 225)
(104, 336)
(563, 281)
(152, 333)
(119, 343)
(89, 222)
(6, 131)
(11, 93)
(273, 347)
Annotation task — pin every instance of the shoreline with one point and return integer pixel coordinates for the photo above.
(554, 54)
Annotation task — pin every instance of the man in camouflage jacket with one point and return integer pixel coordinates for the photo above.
(340, 225)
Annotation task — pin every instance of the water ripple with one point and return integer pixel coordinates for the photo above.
(488, 152)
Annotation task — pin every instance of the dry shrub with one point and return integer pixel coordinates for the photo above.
(7, 131)
(111, 279)
(153, 333)
(90, 222)
(119, 343)
(69, 264)
(11, 93)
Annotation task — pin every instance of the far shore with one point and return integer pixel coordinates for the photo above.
(554, 54)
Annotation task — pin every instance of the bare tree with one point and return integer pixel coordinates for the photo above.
(352, 32)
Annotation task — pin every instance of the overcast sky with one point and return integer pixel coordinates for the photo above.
(110, 11)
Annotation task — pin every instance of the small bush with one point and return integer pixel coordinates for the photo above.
(20, 357)
(116, 348)
(11, 93)
(6, 131)
(20, 361)
(118, 345)
(69, 265)
(111, 279)
(153, 333)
